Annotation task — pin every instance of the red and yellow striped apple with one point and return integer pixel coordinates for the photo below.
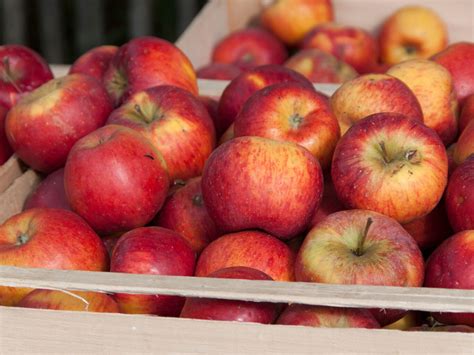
(94, 62)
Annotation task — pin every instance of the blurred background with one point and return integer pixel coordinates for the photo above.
(61, 30)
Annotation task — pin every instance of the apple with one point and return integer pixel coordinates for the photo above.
(249, 48)
(5, 149)
(467, 113)
(251, 249)
(148, 61)
(373, 93)
(155, 251)
(320, 67)
(49, 193)
(211, 104)
(291, 112)
(260, 183)
(411, 32)
(227, 135)
(51, 239)
(361, 247)
(94, 62)
(458, 58)
(433, 87)
(390, 164)
(69, 301)
(451, 265)
(460, 196)
(175, 122)
(21, 70)
(464, 147)
(327, 317)
(451, 163)
(410, 320)
(242, 87)
(444, 328)
(44, 125)
(110, 240)
(115, 179)
(291, 20)
(231, 310)
(219, 71)
(329, 203)
(352, 45)
(185, 213)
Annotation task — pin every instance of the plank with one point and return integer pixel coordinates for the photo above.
(423, 299)
(9, 171)
(22, 330)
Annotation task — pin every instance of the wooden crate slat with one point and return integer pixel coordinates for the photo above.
(9, 171)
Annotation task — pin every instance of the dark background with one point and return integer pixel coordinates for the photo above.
(61, 30)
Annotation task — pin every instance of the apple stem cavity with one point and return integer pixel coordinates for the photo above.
(8, 75)
(22, 239)
(384, 153)
(360, 245)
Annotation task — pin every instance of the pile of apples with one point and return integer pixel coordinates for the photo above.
(272, 182)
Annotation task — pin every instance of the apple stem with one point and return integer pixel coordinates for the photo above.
(8, 74)
(360, 245)
(384, 152)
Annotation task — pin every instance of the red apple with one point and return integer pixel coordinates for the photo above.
(249, 48)
(329, 203)
(70, 301)
(352, 45)
(175, 122)
(373, 93)
(49, 193)
(458, 58)
(110, 241)
(21, 70)
(230, 310)
(451, 265)
(259, 183)
(451, 163)
(5, 149)
(94, 62)
(156, 251)
(115, 179)
(185, 213)
(44, 125)
(320, 67)
(460, 196)
(250, 81)
(211, 104)
(219, 71)
(390, 164)
(363, 248)
(51, 239)
(291, 112)
(464, 147)
(327, 317)
(145, 62)
(251, 249)
(467, 113)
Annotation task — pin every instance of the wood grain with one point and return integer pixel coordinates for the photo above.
(9, 171)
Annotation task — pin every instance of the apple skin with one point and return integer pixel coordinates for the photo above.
(51, 239)
(247, 83)
(460, 196)
(327, 317)
(148, 61)
(291, 112)
(218, 71)
(251, 249)
(467, 113)
(406, 182)
(249, 48)
(433, 87)
(412, 32)
(458, 58)
(21, 70)
(185, 213)
(410, 320)
(263, 166)
(6, 150)
(60, 300)
(388, 256)
(451, 265)
(464, 147)
(231, 310)
(352, 45)
(154, 251)
(44, 125)
(115, 179)
(374, 93)
(94, 62)
(320, 67)
(329, 203)
(291, 20)
(50, 193)
(175, 122)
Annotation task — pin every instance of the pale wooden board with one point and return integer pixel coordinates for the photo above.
(9, 171)
(43, 331)
(424, 299)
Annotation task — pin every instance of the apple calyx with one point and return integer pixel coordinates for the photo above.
(360, 245)
(117, 85)
(22, 239)
(148, 117)
(296, 120)
(410, 49)
(197, 200)
(8, 75)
